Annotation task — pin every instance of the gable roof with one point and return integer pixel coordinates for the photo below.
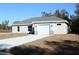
(39, 19)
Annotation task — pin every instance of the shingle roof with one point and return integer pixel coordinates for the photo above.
(39, 19)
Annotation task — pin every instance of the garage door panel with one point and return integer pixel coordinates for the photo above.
(43, 29)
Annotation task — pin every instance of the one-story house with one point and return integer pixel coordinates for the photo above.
(41, 25)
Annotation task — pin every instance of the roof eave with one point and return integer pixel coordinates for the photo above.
(48, 21)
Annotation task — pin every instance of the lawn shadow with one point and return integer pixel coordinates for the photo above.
(31, 50)
(65, 47)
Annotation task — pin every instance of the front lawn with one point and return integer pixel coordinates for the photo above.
(52, 45)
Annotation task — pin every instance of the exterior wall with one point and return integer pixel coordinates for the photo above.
(53, 28)
(23, 29)
(14, 29)
(60, 29)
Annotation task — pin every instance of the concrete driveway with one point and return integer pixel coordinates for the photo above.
(11, 42)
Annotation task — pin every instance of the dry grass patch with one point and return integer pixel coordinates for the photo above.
(58, 38)
(11, 35)
(55, 44)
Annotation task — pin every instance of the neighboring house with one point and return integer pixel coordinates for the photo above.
(41, 25)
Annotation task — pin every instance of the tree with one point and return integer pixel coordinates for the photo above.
(5, 24)
(0, 26)
(77, 10)
(57, 13)
(45, 14)
(75, 23)
(62, 14)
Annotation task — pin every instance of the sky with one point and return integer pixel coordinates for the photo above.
(21, 11)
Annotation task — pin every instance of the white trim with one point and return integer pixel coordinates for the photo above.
(49, 21)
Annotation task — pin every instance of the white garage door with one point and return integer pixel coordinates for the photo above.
(43, 29)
